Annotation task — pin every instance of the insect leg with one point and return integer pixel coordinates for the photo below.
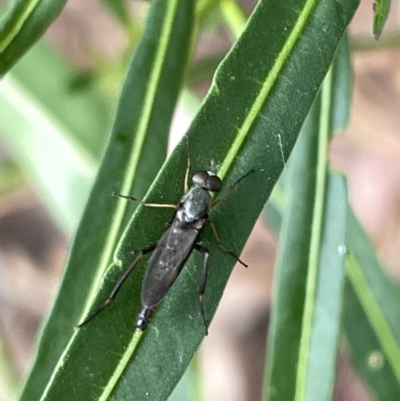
(229, 189)
(148, 204)
(203, 284)
(221, 245)
(186, 184)
(117, 286)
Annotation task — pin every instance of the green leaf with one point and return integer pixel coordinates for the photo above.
(232, 110)
(22, 25)
(371, 314)
(381, 12)
(306, 312)
(135, 153)
(57, 136)
(245, 122)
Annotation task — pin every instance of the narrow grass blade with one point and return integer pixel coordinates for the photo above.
(306, 315)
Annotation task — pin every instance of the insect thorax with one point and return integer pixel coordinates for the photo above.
(196, 204)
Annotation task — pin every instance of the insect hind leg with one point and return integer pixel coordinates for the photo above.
(117, 286)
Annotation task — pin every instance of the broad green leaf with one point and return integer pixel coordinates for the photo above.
(245, 122)
(57, 136)
(371, 316)
(306, 312)
(136, 150)
(381, 12)
(23, 23)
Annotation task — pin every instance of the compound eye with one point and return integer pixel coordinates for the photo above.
(200, 178)
(214, 183)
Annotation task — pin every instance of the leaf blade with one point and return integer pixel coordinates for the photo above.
(176, 330)
(22, 25)
(169, 314)
(371, 308)
(307, 305)
(381, 12)
(60, 134)
(97, 237)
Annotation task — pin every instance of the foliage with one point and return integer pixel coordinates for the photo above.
(292, 57)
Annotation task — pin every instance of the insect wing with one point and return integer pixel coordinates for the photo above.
(166, 262)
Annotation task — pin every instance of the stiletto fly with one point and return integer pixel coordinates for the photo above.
(171, 252)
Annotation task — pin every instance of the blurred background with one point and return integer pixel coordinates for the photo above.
(34, 240)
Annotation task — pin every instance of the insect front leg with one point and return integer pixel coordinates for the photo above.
(117, 286)
(203, 283)
(148, 204)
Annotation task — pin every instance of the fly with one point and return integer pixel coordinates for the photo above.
(171, 252)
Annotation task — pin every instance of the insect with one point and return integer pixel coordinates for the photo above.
(190, 217)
